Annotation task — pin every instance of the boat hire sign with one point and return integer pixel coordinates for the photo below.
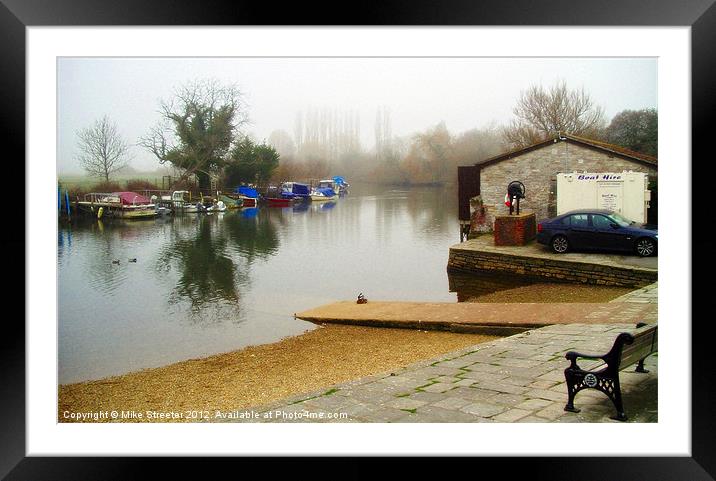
(623, 192)
(598, 177)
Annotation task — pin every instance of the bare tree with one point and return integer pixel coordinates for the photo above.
(542, 113)
(102, 150)
(520, 134)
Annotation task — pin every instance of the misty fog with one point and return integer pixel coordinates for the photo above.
(372, 118)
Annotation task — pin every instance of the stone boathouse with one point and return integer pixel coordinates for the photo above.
(537, 166)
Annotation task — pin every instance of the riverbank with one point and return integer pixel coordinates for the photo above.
(261, 374)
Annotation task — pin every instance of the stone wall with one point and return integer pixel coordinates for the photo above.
(552, 270)
(538, 168)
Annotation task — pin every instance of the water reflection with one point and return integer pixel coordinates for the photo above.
(253, 237)
(470, 286)
(207, 274)
(204, 284)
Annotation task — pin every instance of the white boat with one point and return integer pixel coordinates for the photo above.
(217, 207)
(323, 194)
(182, 203)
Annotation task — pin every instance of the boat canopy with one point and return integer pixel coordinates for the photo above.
(339, 180)
(247, 191)
(302, 190)
(131, 198)
(327, 191)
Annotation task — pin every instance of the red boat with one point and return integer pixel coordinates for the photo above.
(248, 201)
(278, 202)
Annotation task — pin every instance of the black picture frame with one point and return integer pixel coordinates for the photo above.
(16, 15)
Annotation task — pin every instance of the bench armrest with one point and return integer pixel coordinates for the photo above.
(573, 356)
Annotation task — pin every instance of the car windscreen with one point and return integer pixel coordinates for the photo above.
(620, 220)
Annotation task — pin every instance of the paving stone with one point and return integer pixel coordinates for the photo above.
(511, 362)
(551, 412)
(372, 396)
(518, 381)
(542, 384)
(406, 403)
(542, 357)
(473, 394)
(452, 403)
(383, 415)
(428, 397)
(483, 409)
(511, 415)
(552, 376)
(508, 399)
(447, 379)
(546, 394)
(455, 363)
(500, 387)
(464, 383)
(438, 387)
(533, 404)
(559, 387)
(432, 414)
(483, 376)
(482, 367)
(532, 419)
(399, 383)
(437, 370)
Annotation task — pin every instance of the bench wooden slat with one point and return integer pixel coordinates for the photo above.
(643, 345)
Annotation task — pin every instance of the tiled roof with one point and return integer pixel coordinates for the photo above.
(615, 149)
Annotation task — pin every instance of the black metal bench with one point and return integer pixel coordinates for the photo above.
(629, 348)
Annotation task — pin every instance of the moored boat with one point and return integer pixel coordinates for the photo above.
(295, 190)
(248, 195)
(217, 207)
(234, 202)
(181, 200)
(125, 205)
(337, 183)
(322, 194)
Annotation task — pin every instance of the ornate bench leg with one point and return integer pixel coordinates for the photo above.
(640, 366)
(571, 390)
(616, 398)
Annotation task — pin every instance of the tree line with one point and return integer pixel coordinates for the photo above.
(201, 133)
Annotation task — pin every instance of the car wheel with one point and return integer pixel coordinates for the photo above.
(645, 247)
(560, 244)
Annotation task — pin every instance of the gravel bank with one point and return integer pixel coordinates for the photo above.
(260, 374)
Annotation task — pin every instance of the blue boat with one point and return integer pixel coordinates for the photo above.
(248, 195)
(295, 190)
(337, 183)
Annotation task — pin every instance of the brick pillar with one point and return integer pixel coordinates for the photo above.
(515, 230)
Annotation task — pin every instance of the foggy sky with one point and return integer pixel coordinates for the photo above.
(466, 93)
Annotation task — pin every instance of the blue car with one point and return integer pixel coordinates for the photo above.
(596, 230)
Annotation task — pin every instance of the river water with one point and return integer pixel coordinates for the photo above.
(206, 284)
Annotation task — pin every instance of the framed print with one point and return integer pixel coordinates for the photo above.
(192, 320)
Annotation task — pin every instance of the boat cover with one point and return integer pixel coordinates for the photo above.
(301, 190)
(327, 191)
(247, 191)
(131, 198)
(339, 180)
